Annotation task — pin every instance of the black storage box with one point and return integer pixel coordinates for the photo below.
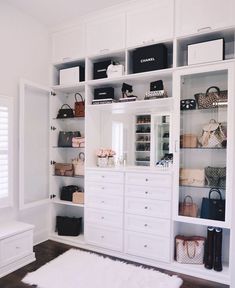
(100, 69)
(67, 226)
(150, 58)
(66, 193)
(104, 93)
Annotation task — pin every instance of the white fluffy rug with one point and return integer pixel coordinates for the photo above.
(79, 269)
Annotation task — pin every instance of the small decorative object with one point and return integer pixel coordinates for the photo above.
(126, 93)
(188, 104)
(188, 141)
(189, 250)
(79, 106)
(105, 157)
(65, 112)
(78, 142)
(188, 208)
(192, 177)
(213, 208)
(78, 164)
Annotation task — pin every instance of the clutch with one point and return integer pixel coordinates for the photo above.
(64, 169)
(187, 104)
(192, 177)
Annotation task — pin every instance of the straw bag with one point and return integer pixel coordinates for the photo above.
(79, 106)
(189, 250)
(188, 208)
(78, 164)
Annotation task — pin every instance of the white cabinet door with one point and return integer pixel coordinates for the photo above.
(151, 23)
(193, 16)
(68, 45)
(106, 35)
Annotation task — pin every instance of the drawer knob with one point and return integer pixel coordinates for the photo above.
(102, 217)
(17, 247)
(146, 207)
(102, 202)
(145, 225)
(146, 192)
(146, 179)
(145, 246)
(102, 188)
(102, 236)
(102, 176)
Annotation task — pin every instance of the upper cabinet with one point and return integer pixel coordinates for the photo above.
(68, 45)
(105, 35)
(194, 16)
(151, 23)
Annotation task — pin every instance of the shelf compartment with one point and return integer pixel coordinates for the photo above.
(80, 176)
(79, 87)
(68, 203)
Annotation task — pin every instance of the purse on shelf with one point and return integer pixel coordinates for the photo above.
(192, 177)
(64, 169)
(65, 138)
(211, 99)
(188, 208)
(78, 164)
(65, 112)
(78, 142)
(78, 197)
(79, 106)
(213, 135)
(66, 193)
(188, 104)
(216, 176)
(68, 226)
(188, 141)
(213, 208)
(189, 249)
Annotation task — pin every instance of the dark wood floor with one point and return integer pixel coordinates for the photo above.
(48, 250)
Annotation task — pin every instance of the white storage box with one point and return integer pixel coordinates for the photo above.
(70, 76)
(209, 51)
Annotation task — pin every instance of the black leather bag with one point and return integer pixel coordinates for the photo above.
(65, 138)
(213, 208)
(188, 104)
(67, 226)
(66, 193)
(65, 112)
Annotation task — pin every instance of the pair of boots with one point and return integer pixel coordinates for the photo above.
(213, 249)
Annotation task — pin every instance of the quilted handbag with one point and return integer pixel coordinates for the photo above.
(213, 208)
(189, 250)
(188, 208)
(216, 176)
(211, 99)
(65, 112)
(192, 177)
(187, 104)
(65, 138)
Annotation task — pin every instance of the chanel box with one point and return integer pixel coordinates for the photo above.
(209, 51)
(104, 93)
(150, 58)
(100, 69)
(70, 76)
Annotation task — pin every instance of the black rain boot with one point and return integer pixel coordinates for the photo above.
(218, 250)
(209, 248)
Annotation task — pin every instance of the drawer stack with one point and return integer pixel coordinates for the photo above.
(147, 215)
(104, 209)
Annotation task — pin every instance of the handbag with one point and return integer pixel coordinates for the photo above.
(213, 135)
(188, 141)
(78, 197)
(189, 250)
(188, 209)
(211, 99)
(187, 104)
(79, 106)
(216, 176)
(64, 169)
(213, 208)
(65, 112)
(78, 142)
(65, 138)
(78, 164)
(67, 192)
(68, 226)
(192, 177)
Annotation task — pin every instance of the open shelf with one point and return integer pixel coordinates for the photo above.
(68, 239)
(79, 87)
(68, 203)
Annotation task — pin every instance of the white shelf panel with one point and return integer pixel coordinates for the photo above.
(72, 239)
(201, 221)
(79, 87)
(67, 203)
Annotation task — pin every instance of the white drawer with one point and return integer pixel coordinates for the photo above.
(104, 188)
(104, 218)
(16, 247)
(113, 203)
(154, 208)
(153, 247)
(149, 179)
(154, 226)
(104, 237)
(104, 176)
(149, 192)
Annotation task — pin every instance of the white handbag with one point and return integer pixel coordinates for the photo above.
(115, 70)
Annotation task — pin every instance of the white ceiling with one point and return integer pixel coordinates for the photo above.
(56, 12)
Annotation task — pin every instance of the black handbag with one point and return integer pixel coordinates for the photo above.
(213, 208)
(67, 226)
(66, 193)
(65, 138)
(65, 112)
(187, 104)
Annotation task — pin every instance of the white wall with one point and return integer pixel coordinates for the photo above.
(24, 52)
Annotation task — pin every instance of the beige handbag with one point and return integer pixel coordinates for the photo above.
(78, 198)
(192, 177)
(189, 250)
(78, 142)
(188, 208)
(78, 164)
(188, 141)
(64, 169)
